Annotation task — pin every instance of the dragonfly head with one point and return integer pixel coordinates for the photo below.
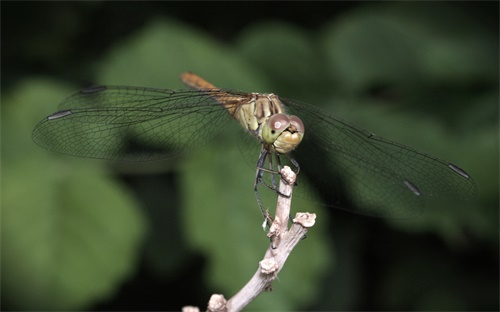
(283, 132)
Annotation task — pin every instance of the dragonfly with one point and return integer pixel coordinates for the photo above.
(349, 167)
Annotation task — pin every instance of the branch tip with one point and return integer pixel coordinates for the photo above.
(288, 175)
(305, 219)
(217, 303)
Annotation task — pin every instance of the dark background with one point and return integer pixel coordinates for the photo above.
(65, 40)
(77, 41)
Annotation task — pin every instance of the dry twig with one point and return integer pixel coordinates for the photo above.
(283, 240)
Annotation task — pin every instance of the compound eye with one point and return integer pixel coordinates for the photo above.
(274, 126)
(278, 122)
(297, 123)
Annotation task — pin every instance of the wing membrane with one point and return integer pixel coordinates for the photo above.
(133, 124)
(363, 172)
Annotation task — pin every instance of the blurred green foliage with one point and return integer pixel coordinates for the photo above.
(74, 231)
(63, 244)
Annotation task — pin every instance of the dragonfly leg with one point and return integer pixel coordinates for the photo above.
(295, 163)
(272, 171)
(267, 218)
(261, 170)
(258, 180)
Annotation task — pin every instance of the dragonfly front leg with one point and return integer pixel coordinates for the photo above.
(261, 170)
(264, 154)
(295, 163)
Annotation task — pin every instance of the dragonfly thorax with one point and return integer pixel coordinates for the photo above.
(256, 109)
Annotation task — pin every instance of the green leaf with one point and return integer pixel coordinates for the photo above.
(69, 233)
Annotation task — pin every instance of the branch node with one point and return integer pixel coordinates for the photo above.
(268, 266)
(305, 219)
(275, 228)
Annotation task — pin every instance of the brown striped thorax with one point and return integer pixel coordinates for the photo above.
(263, 115)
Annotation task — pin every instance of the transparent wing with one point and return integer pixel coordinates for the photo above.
(365, 173)
(352, 168)
(133, 124)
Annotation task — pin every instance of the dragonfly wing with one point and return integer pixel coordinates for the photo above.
(368, 174)
(132, 124)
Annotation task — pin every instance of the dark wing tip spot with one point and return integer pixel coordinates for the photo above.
(412, 187)
(59, 114)
(459, 170)
(92, 89)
